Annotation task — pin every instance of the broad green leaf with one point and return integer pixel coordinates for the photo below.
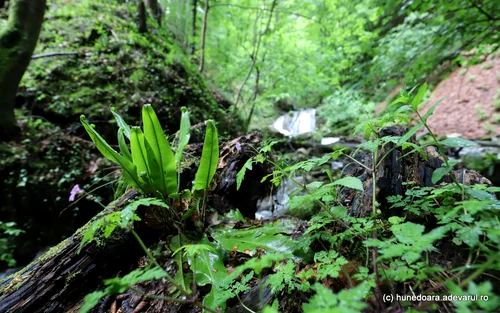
(121, 123)
(350, 182)
(184, 134)
(100, 143)
(208, 268)
(457, 143)
(439, 173)
(123, 145)
(161, 149)
(410, 133)
(129, 170)
(209, 158)
(418, 98)
(269, 237)
(139, 156)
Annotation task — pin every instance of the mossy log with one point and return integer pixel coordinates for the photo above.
(392, 174)
(59, 279)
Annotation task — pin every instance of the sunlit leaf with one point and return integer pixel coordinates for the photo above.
(350, 182)
(184, 134)
(209, 158)
(121, 123)
(457, 143)
(419, 96)
(163, 153)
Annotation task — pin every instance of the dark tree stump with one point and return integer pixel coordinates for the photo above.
(394, 171)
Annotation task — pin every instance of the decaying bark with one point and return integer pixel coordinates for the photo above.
(394, 172)
(59, 279)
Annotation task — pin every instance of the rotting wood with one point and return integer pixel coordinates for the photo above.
(394, 172)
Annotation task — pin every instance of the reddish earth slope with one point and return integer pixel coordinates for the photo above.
(468, 105)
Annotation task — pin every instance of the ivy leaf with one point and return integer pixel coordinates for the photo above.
(350, 182)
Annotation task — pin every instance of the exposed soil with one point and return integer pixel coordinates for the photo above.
(468, 107)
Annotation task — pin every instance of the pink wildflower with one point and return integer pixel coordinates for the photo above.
(76, 189)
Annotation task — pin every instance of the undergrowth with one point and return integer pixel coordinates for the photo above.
(431, 248)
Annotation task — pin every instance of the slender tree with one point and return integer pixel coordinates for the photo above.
(203, 36)
(193, 26)
(17, 43)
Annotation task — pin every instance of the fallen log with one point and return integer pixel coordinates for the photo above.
(62, 277)
(58, 280)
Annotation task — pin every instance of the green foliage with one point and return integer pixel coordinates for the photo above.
(209, 158)
(9, 231)
(122, 219)
(268, 237)
(151, 167)
(348, 300)
(342, 110)
(120, 285)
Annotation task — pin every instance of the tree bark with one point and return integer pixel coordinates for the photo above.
(17, 43)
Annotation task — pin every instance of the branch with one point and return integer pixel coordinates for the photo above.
(266, 9)
(53, 54)
(254, 55)
(480, 9)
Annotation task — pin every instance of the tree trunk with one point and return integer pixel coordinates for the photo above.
(141, 17)
(193, 26)
(17, 43)
(203, 36)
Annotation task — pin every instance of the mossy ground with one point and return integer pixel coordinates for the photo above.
(115, 66)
